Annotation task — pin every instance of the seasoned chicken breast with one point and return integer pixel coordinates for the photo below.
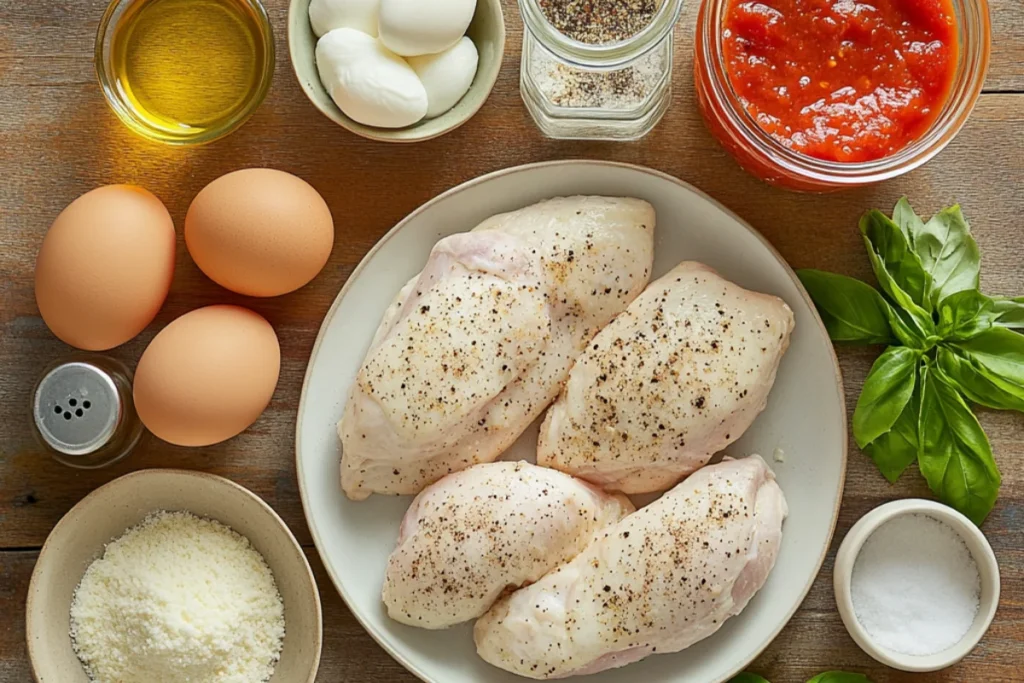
(476, 347)
(660, 580)
(469, 537)
(673, 380)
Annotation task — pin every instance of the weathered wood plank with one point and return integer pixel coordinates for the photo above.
(59, 140)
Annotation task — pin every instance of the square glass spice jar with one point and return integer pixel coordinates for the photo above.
(600, 70)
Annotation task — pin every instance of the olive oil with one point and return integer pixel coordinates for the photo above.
(188, 70)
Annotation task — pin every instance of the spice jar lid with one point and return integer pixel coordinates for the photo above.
(77, 408)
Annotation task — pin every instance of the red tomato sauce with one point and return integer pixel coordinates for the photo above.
(842, 80)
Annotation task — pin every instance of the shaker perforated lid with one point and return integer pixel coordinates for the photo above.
(77, 408)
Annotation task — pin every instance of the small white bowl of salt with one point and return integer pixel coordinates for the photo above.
(917, 585)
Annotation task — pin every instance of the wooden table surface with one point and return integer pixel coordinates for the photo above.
(59, 140)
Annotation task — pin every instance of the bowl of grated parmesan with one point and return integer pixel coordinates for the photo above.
(201, 566)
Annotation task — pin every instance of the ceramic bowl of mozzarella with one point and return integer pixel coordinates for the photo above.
(100, 519)
(338, 47)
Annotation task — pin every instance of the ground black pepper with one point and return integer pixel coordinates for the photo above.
(597, 22)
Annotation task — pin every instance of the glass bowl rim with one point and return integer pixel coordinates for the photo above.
(973, 28)
(104, 32)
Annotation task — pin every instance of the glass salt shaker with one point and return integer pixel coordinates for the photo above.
(600, 70)
(83, 412)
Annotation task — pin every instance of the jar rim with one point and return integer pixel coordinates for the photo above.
(114, 96)
(973, 22)
(600, 55)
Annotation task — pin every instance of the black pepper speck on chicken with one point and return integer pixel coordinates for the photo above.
(479, 343)
(660, 580)
(672, 381)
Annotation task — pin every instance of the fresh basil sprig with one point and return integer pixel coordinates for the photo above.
(839, 677)
(948, 344)
(826, 677)
(747, 677)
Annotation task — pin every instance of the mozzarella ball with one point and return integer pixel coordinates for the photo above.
(446, 75)
(422, 27)
(368, 82)
(327, 15)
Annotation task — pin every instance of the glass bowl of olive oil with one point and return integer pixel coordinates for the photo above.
(184, 72)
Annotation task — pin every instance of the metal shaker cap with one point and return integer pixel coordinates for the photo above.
(77, 408)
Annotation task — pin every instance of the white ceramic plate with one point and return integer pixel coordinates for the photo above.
(805, 418)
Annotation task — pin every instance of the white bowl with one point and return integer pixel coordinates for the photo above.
(983, 557)
(103, 515)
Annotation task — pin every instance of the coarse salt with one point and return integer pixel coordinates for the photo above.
(915, 586)
(622, 89)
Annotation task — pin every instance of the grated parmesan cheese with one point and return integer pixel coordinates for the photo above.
(178, 599)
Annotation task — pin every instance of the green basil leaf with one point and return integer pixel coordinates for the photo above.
(976, 385)
(853, 311)
(886, 391)
(1009, 312)
(899, 270)
(908, 221)
(999, 352)
(964, 314)
(954, 455)
(840, 677)
(747, 677)
(894, 451)
(908, 332)
(948, 253)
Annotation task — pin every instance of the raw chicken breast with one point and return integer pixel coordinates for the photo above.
(472, 535)
(481, 341)
(673, 380)
(660, 580)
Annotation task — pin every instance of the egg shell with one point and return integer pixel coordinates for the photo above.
(368, 82)
(420, 27)
(105, 267)
(327, 15)
(207, 376)
(447, 75)
(259, 232)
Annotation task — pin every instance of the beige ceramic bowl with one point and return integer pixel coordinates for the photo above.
(488, 33)
(980, 549)
(103, 515)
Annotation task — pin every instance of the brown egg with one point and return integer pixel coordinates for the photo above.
(259, 232)
(105, 266)
(207, 376)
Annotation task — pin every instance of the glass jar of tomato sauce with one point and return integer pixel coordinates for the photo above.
(753, 136)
